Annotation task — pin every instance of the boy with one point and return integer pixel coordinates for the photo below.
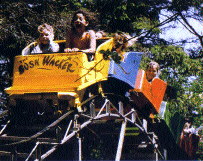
(45, 42)
(152, 70)
(79, 38)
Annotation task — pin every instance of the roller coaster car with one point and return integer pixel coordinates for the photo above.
(59, 80)
(148, 94)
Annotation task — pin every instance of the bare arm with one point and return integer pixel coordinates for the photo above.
(68, 41)
(92, 43)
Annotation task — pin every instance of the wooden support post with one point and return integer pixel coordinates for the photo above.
(80, 148)
(156, 146)
(77, 148)
(75, 123)
(121, 140)
(38, 153)
(157, 155)
(78, 141)
(108, 107)
(133, 116)
(121, 107)
(92, 109)
(58, 134)
(165, 154)
(14, 154)
(145, 124)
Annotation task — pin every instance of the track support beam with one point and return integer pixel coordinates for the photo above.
(121, 140)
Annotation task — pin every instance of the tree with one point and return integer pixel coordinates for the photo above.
(19, 21)
(187, 13)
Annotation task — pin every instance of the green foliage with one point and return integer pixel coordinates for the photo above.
(144, 23)
(195, 106)
(175, 122)
(125, 15)
(177, 65)
(19, 21)
(176, 69)
(183, 96)
(182, 5)
(5, 81)
(107, 55)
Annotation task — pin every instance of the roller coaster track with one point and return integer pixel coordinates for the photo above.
(74, 127)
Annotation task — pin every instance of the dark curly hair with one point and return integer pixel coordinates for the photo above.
(90, 17)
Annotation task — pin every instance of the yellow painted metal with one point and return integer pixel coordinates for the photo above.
(108, 45)
(57, 72)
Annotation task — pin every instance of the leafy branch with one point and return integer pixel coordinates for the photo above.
(107, 54)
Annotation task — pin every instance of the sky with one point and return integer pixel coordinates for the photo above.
(179, 32)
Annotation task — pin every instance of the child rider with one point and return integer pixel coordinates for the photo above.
(78, 37)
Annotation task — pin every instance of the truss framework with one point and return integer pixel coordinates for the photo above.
(74, 127)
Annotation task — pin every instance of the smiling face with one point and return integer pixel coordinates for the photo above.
(46, 33)
(152, 70)
(151, 73)
(45, 36)
(79, 21)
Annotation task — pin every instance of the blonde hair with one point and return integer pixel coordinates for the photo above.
(153, 63)
(47, 27)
